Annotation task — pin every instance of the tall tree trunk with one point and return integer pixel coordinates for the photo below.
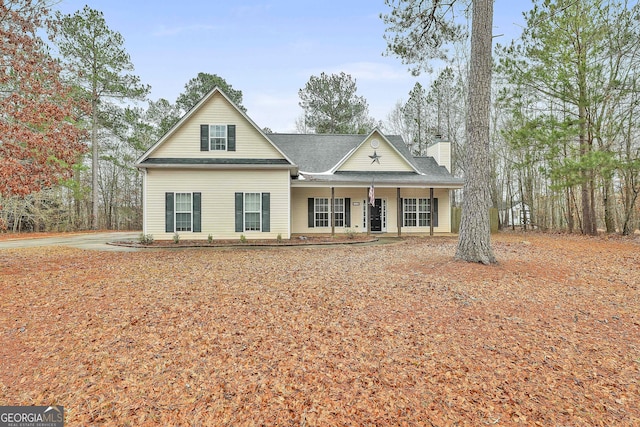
(631, 196)
(629, 176)
(608, 196)
(570, 223)
(94, 164)
(592, 200)
(523, 223)
(76, 199)
(588, 209)
(474, 244)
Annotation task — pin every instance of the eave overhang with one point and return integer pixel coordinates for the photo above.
(378, 179)
(207, 163)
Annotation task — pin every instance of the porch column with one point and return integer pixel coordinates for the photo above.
(431, 211)
(399, 209)
(368, 210)
(331, 214)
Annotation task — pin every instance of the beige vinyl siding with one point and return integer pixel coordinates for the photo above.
(218, 190)
(390, 160)
(441, 153)
(185, 142)
(359, 196)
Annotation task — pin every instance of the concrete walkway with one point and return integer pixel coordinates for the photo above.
(92, 241)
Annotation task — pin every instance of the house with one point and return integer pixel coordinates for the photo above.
(217, 173)
(518, 215)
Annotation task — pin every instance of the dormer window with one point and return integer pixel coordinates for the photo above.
(217, 137)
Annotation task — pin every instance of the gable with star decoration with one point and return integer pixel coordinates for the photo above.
(375, 154)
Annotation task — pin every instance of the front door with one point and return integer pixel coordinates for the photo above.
(376, 216)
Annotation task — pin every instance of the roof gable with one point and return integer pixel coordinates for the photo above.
(330, 153)
(324, 159)
(376, 153)
(182, 141)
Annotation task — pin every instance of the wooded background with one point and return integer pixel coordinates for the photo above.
(564, 137)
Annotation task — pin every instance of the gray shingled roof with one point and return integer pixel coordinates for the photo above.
(316, 154)
(428, 165)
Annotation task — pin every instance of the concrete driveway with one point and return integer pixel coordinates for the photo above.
(92, 241)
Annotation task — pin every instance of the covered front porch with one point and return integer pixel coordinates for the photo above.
(385, 210)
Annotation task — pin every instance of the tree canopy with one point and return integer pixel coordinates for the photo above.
(418, 32)
(39, 136)
(100, 65)
(200, 85)
(416, 118)
(331, 105)
(578, 61)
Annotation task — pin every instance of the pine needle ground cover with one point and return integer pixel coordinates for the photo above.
(396, 334)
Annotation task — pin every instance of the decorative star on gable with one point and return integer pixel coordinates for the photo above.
(375, 158)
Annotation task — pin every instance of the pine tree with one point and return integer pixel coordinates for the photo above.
(331, 105)
(100, 65)
(421, 32)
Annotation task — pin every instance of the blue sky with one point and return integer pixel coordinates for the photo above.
(268, 49)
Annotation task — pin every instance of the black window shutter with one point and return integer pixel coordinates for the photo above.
(204, 137)
(168, 213)
(347, 212)
(434, 212)
(231, 137)
(266, 212)
(239, 212)
(310, 212)
(197, 212)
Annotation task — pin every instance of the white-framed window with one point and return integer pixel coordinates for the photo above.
(409, 210)
(218, 137)
(338, 212)
(321, 212)
(252, 211)
(183, 212)
(416, 212)
(424, 212)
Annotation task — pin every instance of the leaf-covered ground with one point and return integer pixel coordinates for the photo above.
(393, 334)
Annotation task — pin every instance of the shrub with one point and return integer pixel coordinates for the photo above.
(176, 238)
(210, 238)
(146, 239)
(279, 238)
(350, 233)
(243, 239)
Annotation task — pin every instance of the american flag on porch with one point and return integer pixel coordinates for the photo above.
(372, 196)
